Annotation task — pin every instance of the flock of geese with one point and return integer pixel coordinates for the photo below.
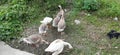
(57, 46)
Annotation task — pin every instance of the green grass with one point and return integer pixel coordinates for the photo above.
(78, 36)
(85, 45)
(109, 8)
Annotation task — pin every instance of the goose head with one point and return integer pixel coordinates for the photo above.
(60, 6)
(46, 20)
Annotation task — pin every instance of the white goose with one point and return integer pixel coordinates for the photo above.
(46, 20)
(57, 46)
(58, 17)
(44, 26)
(34, 39)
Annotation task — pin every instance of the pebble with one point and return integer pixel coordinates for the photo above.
(116, 47)
(116, 18)
(77, 22)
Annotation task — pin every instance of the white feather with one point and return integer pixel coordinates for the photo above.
(26, 41)
(55, 45)
(43, 28)
(60, 30)
(46, 20)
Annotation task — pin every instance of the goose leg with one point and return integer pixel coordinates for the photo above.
(62, 33)
(45, 41)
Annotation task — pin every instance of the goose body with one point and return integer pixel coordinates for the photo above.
(46, 20)
(61, 24)
(34, 39)
(58, 17)
(57, 46)
(44, 26)
(55, 21)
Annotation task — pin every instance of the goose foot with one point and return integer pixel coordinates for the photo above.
(62, 33)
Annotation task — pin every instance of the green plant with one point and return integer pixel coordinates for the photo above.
(109, 8)
(90, 5)
(12, 19)
(77, 3)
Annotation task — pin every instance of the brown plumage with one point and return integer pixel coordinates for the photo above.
(58, 17)
(44, 26)
(43, 29)
(61, 24)
(34, 39)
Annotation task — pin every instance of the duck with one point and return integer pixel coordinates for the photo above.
(45, 25)
(58, 17)
(61, 24)
(34, 39)
(57, 46)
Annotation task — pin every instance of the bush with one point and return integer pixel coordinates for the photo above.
(77, 3)
(12, 19)
(18, 12)
(89, 5)
(109, 8)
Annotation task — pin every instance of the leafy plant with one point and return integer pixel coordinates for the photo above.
(90, 5)
(12, 19)
(109, 8)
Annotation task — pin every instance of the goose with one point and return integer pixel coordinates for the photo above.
(57, 46)
(61, 24)
(43, 29)
(45, 25)
(34, 39)
(58, 17)
(46, 20)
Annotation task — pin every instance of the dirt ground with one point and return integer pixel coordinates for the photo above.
(91, 40)
(52, 34)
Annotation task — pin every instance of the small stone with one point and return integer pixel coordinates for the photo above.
(116, 18)
(116, 47)
(77, 22)
(88, 14)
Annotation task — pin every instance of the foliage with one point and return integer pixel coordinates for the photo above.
(15, 13)
(77, 3)
(52, 5)
(12, 19)
(111, 6)
(3, 1)
(90, 5)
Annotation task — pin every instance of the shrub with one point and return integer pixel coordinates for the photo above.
(90, 5)
(51, 4)
(109, 8)
(12, 19)
(77, 3)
